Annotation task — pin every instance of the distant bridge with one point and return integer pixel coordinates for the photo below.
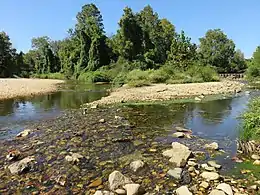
(233, 76)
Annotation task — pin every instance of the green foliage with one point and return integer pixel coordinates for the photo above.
(138, 78)
(202, 73)
(251, 121)
(94, 77)
(253, 71)
(159, 76)
(56, 75)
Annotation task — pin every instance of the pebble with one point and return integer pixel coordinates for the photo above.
(179, 135)
(102, 120)
(137, 165)
(204, 185)
(120, 191)
(213, 163)
(175, 173)
(255, 157)
(217, 192)
(212, 146)
(183, 190)
(256, 162)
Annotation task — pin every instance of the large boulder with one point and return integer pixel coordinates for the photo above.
(118, 180)
(179, 154)
(22, 166)
(183, 190)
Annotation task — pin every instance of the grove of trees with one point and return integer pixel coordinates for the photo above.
(143, 41)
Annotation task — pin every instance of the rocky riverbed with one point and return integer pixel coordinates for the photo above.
(162, 92)
(99, 151)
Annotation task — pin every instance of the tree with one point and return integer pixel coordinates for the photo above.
(256, 57)
(238, 63)
(7, 53)
(90, 21)
(128, 40)
(217, 50)
(182, 52)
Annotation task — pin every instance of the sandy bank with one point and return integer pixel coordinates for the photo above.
(159, 92)
(10, 88)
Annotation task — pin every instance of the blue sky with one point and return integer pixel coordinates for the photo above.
(239, 19)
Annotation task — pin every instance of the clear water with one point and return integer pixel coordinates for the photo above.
(15, 114)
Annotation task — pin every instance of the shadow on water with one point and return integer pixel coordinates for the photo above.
(15, 114)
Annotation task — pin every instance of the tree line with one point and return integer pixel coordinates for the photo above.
(143, 41)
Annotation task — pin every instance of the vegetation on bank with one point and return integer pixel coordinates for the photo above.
(145, 49)
(251, 121)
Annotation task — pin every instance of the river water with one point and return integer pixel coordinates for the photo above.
(216, 120)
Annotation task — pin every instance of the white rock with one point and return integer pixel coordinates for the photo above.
(197, 99)
(24, 133)
(217, 192)
(120, 191)
(179, 135)
(225, 188)
(211, 169)
(210, 175)
(99, 192)
(117, 180)
(102, 120)
(132, 189)
(175, 173)
(137, 165)
(256, 162)
(191, 163)
(22, 165)
(181, 129)
(255, 157)
(183, 190)
(212, 146)
(68, 158)
(179, 154)
(213, 163)
(204, 185)
(75, 157)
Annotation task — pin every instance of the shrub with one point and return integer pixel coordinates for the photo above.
(94, 77)
(120, 79)
(203, 73)
(252, 72)
(251, 121)
(138, 78)
(56, 75)
(159, 76)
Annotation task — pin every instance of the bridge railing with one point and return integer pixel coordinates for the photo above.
(232, 75)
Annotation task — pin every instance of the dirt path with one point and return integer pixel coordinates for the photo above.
(10, 88)
(167, 92)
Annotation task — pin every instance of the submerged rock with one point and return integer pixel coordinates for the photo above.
(212, 146)
(117, 180)
(21, 166)
(213, 163)
(24, 133)
(183, 190)
(179, 154)
(13, 155)
(75, 158)
(137, 165)
(225, 188)
(181, 129)
(179, 135)
(175, 173)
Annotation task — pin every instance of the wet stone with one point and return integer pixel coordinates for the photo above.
(175, 173)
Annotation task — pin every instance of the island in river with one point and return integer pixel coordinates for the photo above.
(104, 151)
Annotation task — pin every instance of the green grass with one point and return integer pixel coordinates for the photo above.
(251, 121)
(94, 77)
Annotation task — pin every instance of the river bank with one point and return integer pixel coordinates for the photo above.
(162, 92)
(11, 88)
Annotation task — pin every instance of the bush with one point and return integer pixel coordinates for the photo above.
(159, 76)
(94, 77)
(252, 72)
(202, 73)
(251, 121)
(120, 79)
(56, 75)
(138, 78)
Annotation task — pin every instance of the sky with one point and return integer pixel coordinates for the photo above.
(239, 19)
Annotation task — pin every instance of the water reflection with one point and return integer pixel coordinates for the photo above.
(16, 113)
